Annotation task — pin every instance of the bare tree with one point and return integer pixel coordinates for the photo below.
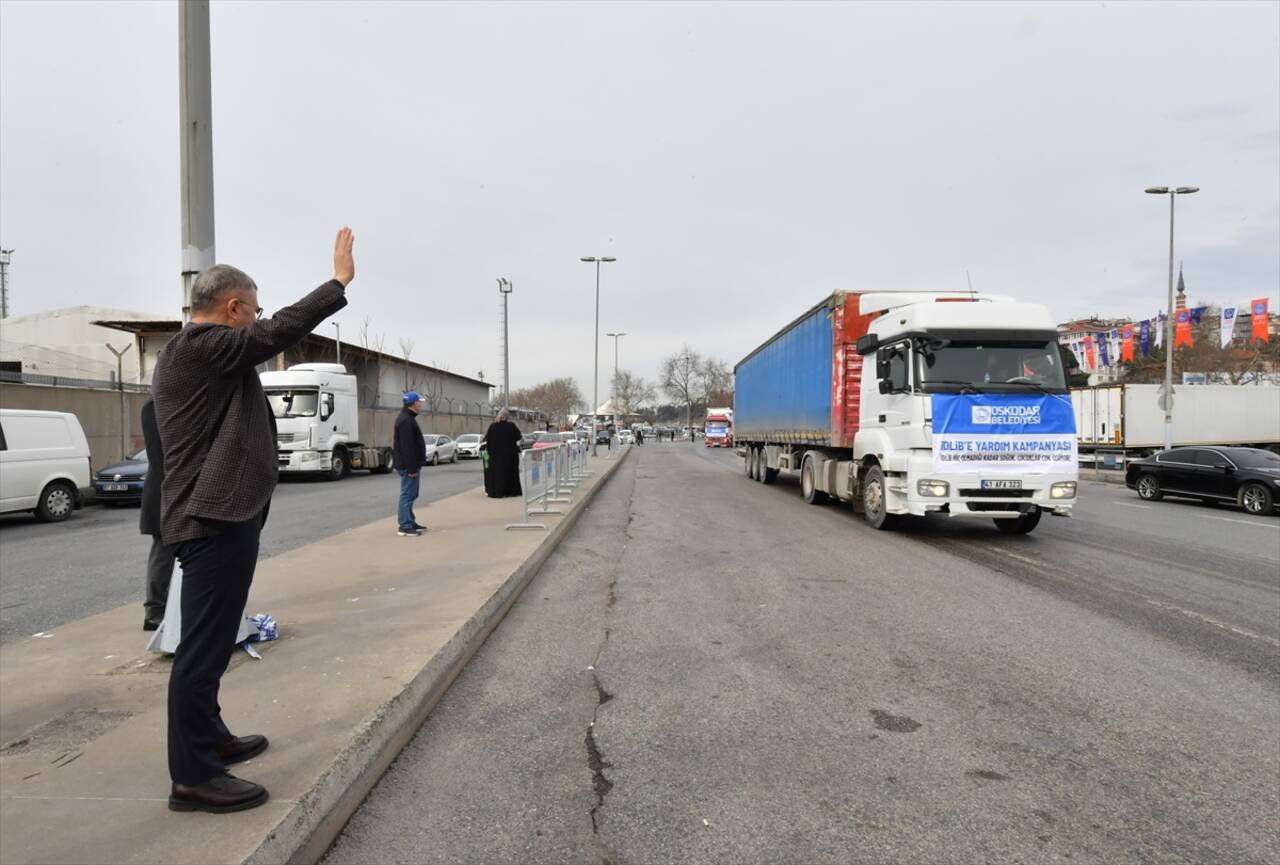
(373, 347)
(406, 351)
(681, 379)
(556, 399)
(717, 383)
(631, 391)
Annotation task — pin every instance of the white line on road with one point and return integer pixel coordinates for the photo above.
(1223, 625)
(1256, 523)
(1131, 505)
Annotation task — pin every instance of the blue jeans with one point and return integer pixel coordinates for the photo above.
(408, 495)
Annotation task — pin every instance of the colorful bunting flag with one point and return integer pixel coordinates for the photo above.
(1228, 325)
(1126, 347)
(1259, 308)
(1145, 336)
(1182, 331)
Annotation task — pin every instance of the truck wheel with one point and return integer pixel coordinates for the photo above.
(875, 501)
(759, 472)
(385, 462)
(1149, 488)
(338, 465)
(809, 483)
(1255, 499)
(1019, 525)
(57, 501)
(748, 459)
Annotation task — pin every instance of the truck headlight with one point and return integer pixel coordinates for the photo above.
(935, 489)
(1063, 490)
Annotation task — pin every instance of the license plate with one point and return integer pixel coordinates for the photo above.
(1002, 485)
(115, 488)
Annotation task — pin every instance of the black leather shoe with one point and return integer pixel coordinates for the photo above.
(221, 795)
(150, 626)
(242, 748)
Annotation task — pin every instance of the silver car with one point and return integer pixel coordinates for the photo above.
(440, 449)
(468, 446)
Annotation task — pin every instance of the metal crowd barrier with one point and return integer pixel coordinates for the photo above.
(548, 476)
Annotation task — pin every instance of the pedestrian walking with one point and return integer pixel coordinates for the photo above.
(410, 453)
(639, 436)
(502, 441)
(219, 440)
(160, 559)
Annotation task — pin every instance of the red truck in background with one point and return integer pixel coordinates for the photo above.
(719, 428)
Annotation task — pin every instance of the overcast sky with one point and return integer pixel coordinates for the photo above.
(740, 160)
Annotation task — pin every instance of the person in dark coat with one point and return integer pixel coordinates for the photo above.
(160, 559)
(502, 441)
(217, 432)
(409, 450)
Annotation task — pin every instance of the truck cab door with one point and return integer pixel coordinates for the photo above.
(897, 406)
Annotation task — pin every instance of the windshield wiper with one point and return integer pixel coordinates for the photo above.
(972, 388)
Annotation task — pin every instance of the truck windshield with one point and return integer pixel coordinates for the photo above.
(955, 366)
(293, 403)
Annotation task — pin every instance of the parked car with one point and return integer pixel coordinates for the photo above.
(1247, 477)
(468, 446)
(569, 437)
(440, 449)
(541, 439)
(626, 437)
(121, 483)
(44, 463)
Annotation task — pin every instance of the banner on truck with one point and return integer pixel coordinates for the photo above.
(1003, 433)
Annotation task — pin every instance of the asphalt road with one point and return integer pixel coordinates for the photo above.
(51, 573)
(709, 670)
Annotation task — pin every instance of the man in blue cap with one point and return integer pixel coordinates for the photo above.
(410, 452)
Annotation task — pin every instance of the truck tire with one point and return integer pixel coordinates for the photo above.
(1255, 499)
(1148, 487)
(57, 501)
(1019, 525)
(748, 459)
(809, 483)
(767, 475)
(337, 465)
(875, 500)
(759, 473)
(386, 462)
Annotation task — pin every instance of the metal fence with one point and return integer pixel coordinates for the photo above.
(63, 381)
(549, 476)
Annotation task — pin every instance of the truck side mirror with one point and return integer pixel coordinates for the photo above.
(867, 344)
(886, 386)
(326, 406)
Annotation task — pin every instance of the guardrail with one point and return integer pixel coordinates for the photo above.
(548, 476)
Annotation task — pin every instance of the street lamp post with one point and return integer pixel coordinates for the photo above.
(614, 389)
(505, 288)
(595, 381)
(1167, 396)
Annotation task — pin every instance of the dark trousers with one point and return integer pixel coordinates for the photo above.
(159, 573)
(216, 575)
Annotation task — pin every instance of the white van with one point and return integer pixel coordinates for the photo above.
(44, 463)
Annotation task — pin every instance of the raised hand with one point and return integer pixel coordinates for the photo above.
(344, 265)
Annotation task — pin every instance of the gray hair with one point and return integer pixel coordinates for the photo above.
(215, 283)
(503, 414)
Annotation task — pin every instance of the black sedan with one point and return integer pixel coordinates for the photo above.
(121, 483)
(1248, 477)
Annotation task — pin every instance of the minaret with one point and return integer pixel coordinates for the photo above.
(1182, 291)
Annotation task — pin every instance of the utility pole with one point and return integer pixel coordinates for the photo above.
(195, 118)
(4, 282)
(595, 379)
(124, 412)
(505, 288)
(1166, 393)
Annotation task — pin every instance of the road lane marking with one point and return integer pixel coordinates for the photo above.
(1258, 523)
(1131, 505)
(1223, 625)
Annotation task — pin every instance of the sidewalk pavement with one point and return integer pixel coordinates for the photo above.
(373, 629)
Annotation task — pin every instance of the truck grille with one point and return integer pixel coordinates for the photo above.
(286, 438)
(999, 506)
(996, 494)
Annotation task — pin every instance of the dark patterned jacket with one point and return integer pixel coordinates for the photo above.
(216, 426)
(149, 513)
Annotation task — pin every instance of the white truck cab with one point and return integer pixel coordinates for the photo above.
(316, 406)
(964, 410)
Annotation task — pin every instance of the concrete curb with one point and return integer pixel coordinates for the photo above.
(305, 834)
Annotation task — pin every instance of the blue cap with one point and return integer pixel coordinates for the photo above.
(411, 397)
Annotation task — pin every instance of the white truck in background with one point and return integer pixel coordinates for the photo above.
(318, 422)
(1128, 417)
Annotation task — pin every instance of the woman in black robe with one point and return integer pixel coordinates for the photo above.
(502, 440)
